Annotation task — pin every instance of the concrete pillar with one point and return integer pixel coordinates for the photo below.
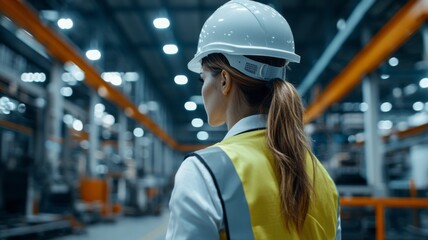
(158, 157)
(55, 112)
(148, 153)
(138, 151)
(94, 135)
(122, 141)
(425, 42)
(373, 145)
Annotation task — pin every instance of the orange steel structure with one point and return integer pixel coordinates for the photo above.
(380, 204)
(406, 22)
(16, 127)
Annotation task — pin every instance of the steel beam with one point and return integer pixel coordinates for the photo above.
(355, 18)
(406, 22)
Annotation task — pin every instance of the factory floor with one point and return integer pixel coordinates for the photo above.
(130, 228)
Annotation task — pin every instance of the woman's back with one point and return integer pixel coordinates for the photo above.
(247, 184)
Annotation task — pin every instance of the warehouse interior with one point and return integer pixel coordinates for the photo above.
(98, 110)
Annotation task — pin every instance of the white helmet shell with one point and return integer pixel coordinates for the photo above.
(243, 27)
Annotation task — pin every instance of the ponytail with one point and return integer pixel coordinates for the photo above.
(285, 134)
(287, 141)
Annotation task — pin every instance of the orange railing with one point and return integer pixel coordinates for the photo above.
(380, 204)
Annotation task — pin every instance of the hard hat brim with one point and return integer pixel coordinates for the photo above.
(194, 65)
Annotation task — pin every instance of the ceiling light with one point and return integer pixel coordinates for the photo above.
(197, 122)
(410, 89)
(397, 92)
(108, 120)
(384, 124)
(386, 107)
(418, 106)
(65, 23)
(402, 126)
(202, 135)
(351, 138)
(341, 24)
(161, 23)
(138, 132)
(152, 106)
(170, 49)
(423, 83)
(393, 61)
(93, 54)
(99, 108)
(22, 108)
(180, 79)
(131, 76)
(190, 106)
(77, 125)
(384, 76)
(68, 119)
(112, 77)
(364, 107)
(66, 91)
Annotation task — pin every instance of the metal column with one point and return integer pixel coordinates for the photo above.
(94, 132)
(122, 141)
(54, 120)
(373, 145)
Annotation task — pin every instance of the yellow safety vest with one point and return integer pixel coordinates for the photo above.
(243, 171)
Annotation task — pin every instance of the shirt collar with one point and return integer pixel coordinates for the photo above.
(249, 123)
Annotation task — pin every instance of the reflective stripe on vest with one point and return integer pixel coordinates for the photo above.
(236, 214)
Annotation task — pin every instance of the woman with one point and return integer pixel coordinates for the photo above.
(262, 181)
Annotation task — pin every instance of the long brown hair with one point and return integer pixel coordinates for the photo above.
(285, 133)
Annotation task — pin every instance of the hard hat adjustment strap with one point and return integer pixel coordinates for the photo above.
(254, 69)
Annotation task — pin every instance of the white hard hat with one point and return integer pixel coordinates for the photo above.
(243, 27)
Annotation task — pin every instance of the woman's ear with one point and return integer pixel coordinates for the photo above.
(226, 82)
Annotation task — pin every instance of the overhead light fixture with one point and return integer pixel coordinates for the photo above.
(138, 132)
(161, 23)
(180, 80)
(418, 106)
(202, 135)
(21, 108)
(386, 107)
(170, 49)
(384, 76)
(364, 107)
(112, 77)
(190, 106)
(341, 24)
(397, 92)
(33, 77)
(65, 23)
(77, 125)
(93, 54)
(410, 89)
(197, 122)
(393, 61)
(384, 124)
(131, 76)
(423, 83)
(68, 119)
(108, 120)
(66, 91)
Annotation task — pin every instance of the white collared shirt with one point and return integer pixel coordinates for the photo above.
(195, 208)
